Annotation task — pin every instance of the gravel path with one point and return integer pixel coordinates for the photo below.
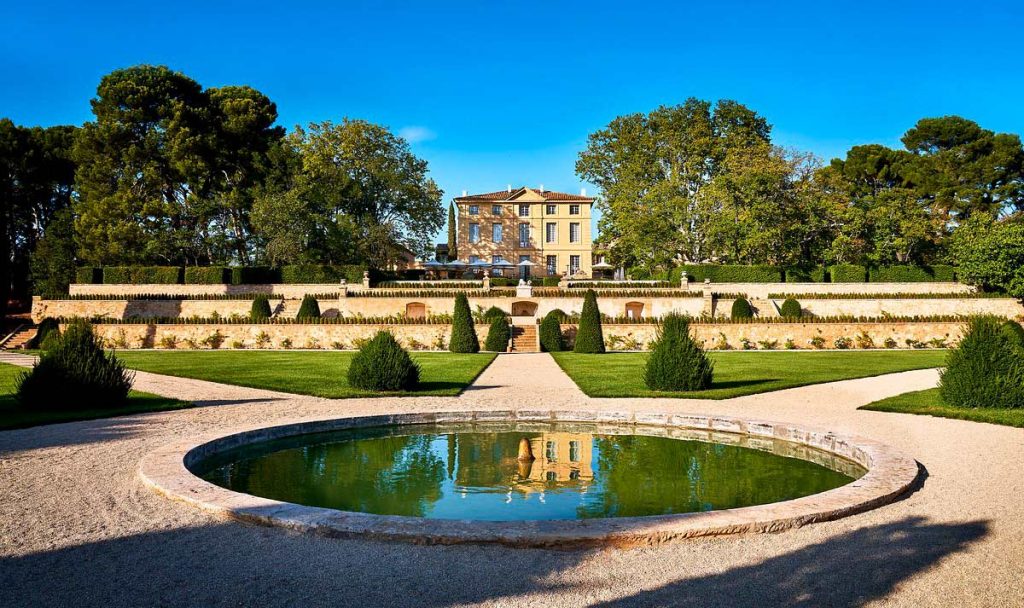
(77, 528)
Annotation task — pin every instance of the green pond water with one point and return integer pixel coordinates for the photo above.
(471, 471)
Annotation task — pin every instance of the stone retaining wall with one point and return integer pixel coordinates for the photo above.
(763, 290)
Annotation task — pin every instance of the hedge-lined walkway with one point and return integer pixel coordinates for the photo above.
(78, 528)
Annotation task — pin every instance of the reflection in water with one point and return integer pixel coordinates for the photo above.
(461, 471)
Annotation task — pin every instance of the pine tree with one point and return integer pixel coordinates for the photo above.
(589, 337)
(464, 338)
(677, 362)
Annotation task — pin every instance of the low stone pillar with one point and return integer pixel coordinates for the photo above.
(684, 281)
(709, 300)
(485, 283)
(343, 289)
(366, 279)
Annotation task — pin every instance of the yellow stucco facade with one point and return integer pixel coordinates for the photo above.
(550, 229)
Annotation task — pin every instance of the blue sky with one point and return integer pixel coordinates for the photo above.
(492, 93)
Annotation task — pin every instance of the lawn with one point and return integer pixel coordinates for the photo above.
(742, 373)
(318, 373)
(929, 403)
(13, 416)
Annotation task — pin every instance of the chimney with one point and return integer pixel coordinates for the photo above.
(510, 188)
(583, 191)
(542, 187)
(463, 194)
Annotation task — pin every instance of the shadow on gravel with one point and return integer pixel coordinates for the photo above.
(241, 565)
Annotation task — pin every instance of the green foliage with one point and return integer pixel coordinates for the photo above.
(498, 335)
(677, 362)
(724, 273)
(89, 275)
(207, 275)
(453, 241)
(309, 308)
(321, 273)
(46, 333)
(164, 275)
(848, 273)
(805, 275)
(53, 261)
(791, 309)
(464, 338)
(117, 275)
(260, 309)
(551, 281)
(589, 337)
(383, 365)
(1014, 330)
(493, 313)
(986, 369)
(911, 274)
(551, 339)
(990, 254)
(75, 373)
(741, 309)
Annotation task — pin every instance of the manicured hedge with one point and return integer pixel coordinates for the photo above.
(116, 275)
(848, 273)
(728, 273)
(316, 273)
(87, 275)
(163, 275)
(207, 275)
(254, 275)
(805, 275)
(911, 274)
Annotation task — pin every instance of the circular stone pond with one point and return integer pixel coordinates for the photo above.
(532, 478)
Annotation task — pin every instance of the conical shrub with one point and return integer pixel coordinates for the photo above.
(47, 332)
(741, 309)
(75, 373)
(498, 335)
(589, 337)
(309, 309)
(383, 365)
(260, 309)
(493, 313)
(677, 362)
(791, 309)
(1011, 327)
(551, 332)
(464, 338)
(986, 369)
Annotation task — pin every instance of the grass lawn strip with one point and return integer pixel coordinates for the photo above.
(317, 373)
(14, 416)
(929, 403)
(742, 373)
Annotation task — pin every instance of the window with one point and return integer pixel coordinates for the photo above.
(574, 209)
(550, 232)
(524, 210)
(524, 271)
(473, 259)
(550, 453)
(551, 262)
(474, 233)
(524, 235)
(496, 209)
(496, 233)
(550, 210)
(574, 264)
(574, 451)
(551, 475)
(474, 209)
(495, 260)
(574, 232)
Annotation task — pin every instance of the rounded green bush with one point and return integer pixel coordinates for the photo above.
(1015, 331)
(551, 340)
(464, 338)
(791, 309)
(741, 309)
(75, 373)
(677, 362)
(493, 313)
(47, 332)
(498, 335)
(309, 309)
(383, 365)
(986, 369)
(260, 309)
(589, 337)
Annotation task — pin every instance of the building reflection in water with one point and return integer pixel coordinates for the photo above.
(486, 460)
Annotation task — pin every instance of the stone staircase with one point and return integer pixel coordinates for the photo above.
(524, 339)
(18, 338)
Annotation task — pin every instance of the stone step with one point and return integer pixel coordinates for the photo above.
(524, 339)
(22, 336)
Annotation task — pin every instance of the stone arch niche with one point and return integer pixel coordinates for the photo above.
(416, 310)
(634, 310)
(524, 309)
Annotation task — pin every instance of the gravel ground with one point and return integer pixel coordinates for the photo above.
(77, 527)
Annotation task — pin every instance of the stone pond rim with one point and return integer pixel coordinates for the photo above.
(890, 473)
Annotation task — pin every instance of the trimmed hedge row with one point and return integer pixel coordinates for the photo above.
(848, 273)
(217, 275)
(727, 273)
(840, 273)
(911, 274)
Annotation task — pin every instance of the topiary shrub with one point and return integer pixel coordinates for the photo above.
(677, 362)
(551, 340)
(589, 337)
(498, 335)
(464, 338)
(986, 369)
(47, 332)
(1015, 331)
(309, 309)
(493, 313)
(741, 309)
(848, 273)
(260, 309)
(75, 373)
(791, 309)
(207, 275)
(383, 365)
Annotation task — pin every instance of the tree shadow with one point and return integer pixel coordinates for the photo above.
(228, 563)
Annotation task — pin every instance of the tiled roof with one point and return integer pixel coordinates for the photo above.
(505, 195)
